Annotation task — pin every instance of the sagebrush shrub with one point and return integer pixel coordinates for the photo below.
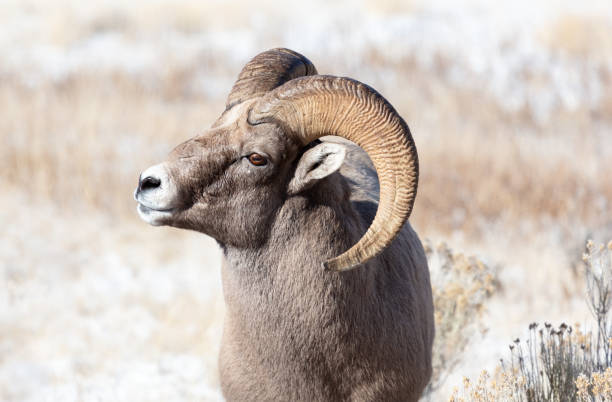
(461, 285)
(562, 363)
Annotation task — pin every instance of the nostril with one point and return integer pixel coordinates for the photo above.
(149, 182)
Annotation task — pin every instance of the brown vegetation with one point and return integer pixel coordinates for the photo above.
(558, 364)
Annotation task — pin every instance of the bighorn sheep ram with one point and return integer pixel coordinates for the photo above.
(308, 316)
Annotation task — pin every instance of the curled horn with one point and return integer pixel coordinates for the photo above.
(310, 107)
(267, 71)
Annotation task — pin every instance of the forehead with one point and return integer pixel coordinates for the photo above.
(233, 132)
(234, 115)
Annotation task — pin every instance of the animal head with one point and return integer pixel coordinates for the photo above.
(229, 181)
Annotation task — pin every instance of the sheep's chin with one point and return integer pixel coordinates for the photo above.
(152, 216)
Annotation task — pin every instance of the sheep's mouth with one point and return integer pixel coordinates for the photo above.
(146, 208)
(153, 216)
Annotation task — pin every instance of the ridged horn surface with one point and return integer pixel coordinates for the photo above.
(267, 71)
(311, 107)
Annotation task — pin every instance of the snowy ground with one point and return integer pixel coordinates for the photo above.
(96, 309)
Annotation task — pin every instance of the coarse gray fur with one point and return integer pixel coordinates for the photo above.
(292, 331)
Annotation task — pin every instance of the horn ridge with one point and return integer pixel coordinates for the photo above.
(266, 71)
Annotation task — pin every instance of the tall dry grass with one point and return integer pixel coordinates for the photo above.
(81, 138)
(84, 140)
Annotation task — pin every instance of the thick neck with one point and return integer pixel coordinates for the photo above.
(287, 273)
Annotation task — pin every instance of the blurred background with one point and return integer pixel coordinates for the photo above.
(510, 105)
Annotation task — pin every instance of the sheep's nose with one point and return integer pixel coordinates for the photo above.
(148, 183)
(156, 189)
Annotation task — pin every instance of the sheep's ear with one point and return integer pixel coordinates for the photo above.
(316, 163)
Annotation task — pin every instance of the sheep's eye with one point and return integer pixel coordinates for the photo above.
(257, 160)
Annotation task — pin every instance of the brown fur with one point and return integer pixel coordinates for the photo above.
(292, 330)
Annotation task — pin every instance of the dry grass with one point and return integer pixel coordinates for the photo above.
(558, 364)
(87, 138)
(461, 287)
(580, 36)
(63, 138)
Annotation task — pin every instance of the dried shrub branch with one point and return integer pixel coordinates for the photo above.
(559, 364)
(461, 286)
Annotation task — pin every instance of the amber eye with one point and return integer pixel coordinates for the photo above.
(257, 160)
